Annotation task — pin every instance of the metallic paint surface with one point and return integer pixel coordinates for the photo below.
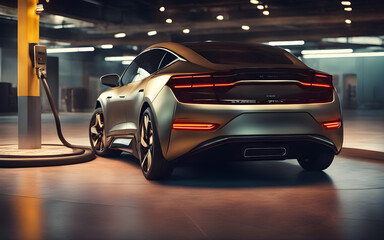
(243, 120)
(123, 105)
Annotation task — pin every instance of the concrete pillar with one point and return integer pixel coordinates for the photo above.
(29, 124)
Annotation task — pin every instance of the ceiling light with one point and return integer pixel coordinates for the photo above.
(70, 50)
(127, 62)
(119, 58)
(346, 3)
(120, 35)
(348, 9)
(266, 13)
(346, 55)
(162, 9)
(260, 7)
(254, 1)
(169, 20)
(107, 46)
(245, 27)
(220, 17)
(348, 21)
(286, 43)
(152, 33)
(327, 51)
(186, 31)
(265, 6)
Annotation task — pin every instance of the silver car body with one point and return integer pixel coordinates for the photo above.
(239, 121)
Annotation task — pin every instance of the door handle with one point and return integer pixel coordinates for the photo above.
(122, 96)
(141, 90)
(109, 97)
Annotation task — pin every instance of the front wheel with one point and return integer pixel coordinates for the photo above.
(317, 159)
(152, 162)
(97, 136)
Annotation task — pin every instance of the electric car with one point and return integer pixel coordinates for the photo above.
(243, 101)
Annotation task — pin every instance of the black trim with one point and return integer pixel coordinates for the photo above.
(219, 141)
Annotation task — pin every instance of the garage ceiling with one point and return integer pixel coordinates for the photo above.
(93, 22)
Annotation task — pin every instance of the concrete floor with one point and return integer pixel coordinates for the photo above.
(110, 199)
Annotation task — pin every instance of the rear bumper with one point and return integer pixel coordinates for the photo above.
(290, 124)
(234, 146)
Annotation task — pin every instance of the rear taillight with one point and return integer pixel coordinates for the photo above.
(332, 125)
(258, 87)
(194, 126)
(191, 81)
(322, 80)
(193, 88)
(319, 80)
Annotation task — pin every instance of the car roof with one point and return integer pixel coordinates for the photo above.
(184, 50)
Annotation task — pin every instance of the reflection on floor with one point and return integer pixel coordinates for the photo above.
(110, 199)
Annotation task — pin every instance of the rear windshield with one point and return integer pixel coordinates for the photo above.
(235, 53)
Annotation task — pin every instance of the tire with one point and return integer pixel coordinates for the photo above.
(97, 136)
(153, 164)
(316, 159)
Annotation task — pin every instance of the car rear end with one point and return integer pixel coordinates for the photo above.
(274, 111)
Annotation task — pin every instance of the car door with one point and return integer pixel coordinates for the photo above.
(116, 110)
(148, 63)
(124, 105)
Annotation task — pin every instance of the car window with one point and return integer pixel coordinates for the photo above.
(143, 66)
(167, 59)
(150, 60)
(227, 53)
(141, 74)
(130, 73)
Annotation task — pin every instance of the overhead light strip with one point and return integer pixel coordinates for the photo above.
(107, 46)
(287, 43)
(127, 62)
(327, 51)
(70, 50)
(345, 55)
(119, 58)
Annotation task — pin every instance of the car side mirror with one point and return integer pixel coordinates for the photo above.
(111, 80)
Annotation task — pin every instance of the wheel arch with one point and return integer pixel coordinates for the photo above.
(98, 104)
(163, 143)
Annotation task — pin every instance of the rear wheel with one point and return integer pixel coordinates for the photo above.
(316, 159)
(97, 135)
(152, 162)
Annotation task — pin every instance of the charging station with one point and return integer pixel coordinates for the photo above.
(32, 64)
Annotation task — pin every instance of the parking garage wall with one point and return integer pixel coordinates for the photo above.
(79, 74)
(369, 72)
(8, 65)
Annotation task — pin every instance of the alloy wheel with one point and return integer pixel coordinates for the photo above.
(146, 143)
(97, 133)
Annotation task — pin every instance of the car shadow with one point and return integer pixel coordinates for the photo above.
(227, 174)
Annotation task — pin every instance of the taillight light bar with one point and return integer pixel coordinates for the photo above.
(322, 80)
(194, 126)
(332, 125)
(192, 81)
(207, 81)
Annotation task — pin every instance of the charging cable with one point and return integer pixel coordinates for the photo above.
(41, 74)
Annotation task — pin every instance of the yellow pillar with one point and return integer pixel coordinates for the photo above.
(29, 106)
